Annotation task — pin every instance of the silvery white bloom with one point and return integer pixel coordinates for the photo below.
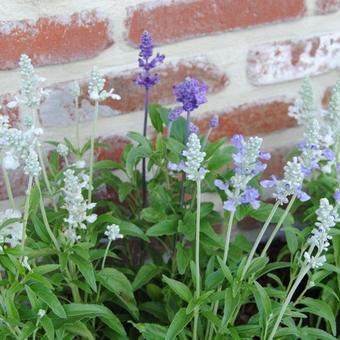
(31, 84)
(10, 161)
(327, 217)
(25, 263)
(194, 158)
(96, 88)
(113, 232)
(75, 203)
(62, 150)
(247, 164)
(74, 89)
(32, 165)
(333, 114)
(291, 184)
(80, 164)
(12, 232)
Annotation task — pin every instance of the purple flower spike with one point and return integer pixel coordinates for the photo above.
(191, 93)
(175, 113)
(337, 195)
(265, 156)
(194, 129)
(145, 79)
(213, 123)
(238, 141)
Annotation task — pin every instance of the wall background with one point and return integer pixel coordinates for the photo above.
(252, 53)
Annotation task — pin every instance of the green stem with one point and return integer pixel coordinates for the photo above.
(210, 329)
(300, 277)
(26, 212)
(278, 226)
(103, 266)
(8, 188)
(44, 216)
(74, 288)
(94, 132)
(259, 238)
(197, 256)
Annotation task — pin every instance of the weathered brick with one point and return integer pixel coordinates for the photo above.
(327, 6)
(326, 96)
(250, 119)
(12, 113)
(178, 20)
(114, 150)
(54, 40)
(292, 59)
(58, 108)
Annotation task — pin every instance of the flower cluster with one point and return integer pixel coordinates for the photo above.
(291, 184)
(247, 165)
(62, 150)
(191, 93)
(76, 205)
(20, 146)
(194, 158)
(327, 217)
(337, 191)
(146, 63)
(96, 88)
(315, 148)
(113, 232)
(12, 232)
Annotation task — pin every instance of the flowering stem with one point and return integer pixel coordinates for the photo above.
(259, 238)
(146, 113)
(8, 187)
(206, 138)
(300, 277)
(197, 256)
(210, 329)
(187, 128)
(94, 132)
(278, 226)
(44, 216)
(103, 266)
(26, 212)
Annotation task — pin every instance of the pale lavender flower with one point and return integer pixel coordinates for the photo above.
(194, 129)
(175, 113)
(213, 122)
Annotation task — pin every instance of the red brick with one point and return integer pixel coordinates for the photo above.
(327, 6)
(175, 21)
(292, 59)
(279, 158)
(114, 150)
(58, 108)
(250, 119)
(13, 113)
(54, 40)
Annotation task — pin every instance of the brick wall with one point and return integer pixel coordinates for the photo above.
(252, 53)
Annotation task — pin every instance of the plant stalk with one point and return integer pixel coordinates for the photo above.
(145, 126)
(197, 256)
(8, 188)
(94, 132)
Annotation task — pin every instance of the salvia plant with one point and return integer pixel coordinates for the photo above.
(107, 250)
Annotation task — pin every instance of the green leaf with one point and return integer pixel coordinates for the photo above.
(320, 308)
(178, 323)
(117, 283)
(80, 311)
(183, 257)
(46, 295)
(48, 327)
(257, 264)
(166, 227)
(156, 120)
(106, 164)
(79, 329)
(317, 334)
(145, 274)
(85, 267)
(140, 139)
(125, 188)
(179, 288)
(262, 302)
(153, 214)
(151, 331)
(133, 156)
(225, 270)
